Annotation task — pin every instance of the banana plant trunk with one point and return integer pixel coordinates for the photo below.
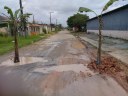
(100, 41)
(16, 57)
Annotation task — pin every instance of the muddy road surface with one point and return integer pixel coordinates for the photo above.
(56, 66)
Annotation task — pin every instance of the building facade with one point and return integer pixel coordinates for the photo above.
(3, 28)
(35, 29)
(32, 28)
(115, 23)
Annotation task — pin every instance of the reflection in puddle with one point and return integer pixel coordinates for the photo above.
(77, 68)
(23, 60)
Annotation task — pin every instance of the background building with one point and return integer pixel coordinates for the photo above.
(32, 28)
(4, 27)
(35, 29)
(115, 23)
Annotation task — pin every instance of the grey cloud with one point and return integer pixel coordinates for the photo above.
(62, 8)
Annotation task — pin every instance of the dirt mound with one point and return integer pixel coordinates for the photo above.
(108, 66)
(111, 67)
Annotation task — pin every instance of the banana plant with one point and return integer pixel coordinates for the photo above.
(13, 21)
(83, 9)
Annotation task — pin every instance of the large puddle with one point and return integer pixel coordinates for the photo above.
(23, 61)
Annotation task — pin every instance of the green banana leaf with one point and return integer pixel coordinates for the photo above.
(110, 2)
(9, 12)
(83, 9)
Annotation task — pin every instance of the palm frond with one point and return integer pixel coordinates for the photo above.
(9, 12)
(17, 12)
(110, 2)
(27, 15)
(83, 9)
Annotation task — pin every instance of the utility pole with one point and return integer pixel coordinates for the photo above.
(51, 20)
(33, 19)
(56, 22)
(23, 26)
(21, 6)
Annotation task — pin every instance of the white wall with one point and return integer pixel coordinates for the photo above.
(112, 33)
(4, 30)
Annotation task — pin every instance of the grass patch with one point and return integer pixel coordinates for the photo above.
(7, 44)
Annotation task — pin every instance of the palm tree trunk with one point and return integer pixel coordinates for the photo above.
(16, 57)
(99, 48)
(100, 42)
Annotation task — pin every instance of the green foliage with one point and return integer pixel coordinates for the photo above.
(83, 9)
(6, 43)
(17, 12)
(24, 21)
(27, 15)
(15, 18)
(9, 11)
(13, 22)
(110, 2)
(77, 20)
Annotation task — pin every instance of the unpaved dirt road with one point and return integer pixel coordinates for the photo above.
(55, 67)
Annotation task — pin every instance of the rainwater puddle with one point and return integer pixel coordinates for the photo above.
(77, 68)
(23, 61)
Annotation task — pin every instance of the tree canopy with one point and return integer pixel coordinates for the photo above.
(77, 20)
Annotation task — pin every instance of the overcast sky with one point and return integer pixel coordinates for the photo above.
(62, 8)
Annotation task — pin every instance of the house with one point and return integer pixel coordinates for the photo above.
(3, 27)
(44, 28)
(115, 23)
(32, 28)
(35, 29)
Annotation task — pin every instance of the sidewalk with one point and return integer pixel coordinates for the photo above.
(117, 48)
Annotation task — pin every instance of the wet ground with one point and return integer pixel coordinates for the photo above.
(55, 67)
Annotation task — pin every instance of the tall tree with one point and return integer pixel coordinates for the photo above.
(83, 9)
(78, 21)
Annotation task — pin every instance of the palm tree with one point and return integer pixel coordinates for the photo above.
(14, 19)
(83, 9)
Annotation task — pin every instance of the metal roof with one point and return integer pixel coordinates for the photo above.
(112, 11)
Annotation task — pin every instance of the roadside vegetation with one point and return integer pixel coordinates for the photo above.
(17, 21)
(104, 63)
(77, 22)
(13, 23)
(7, 43)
